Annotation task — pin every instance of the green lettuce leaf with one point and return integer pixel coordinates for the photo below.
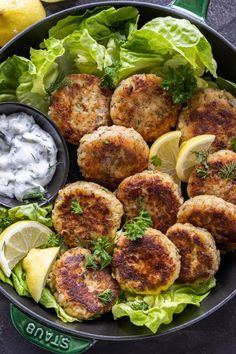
(49, 301)
(10, 72)
(19, 280)
(153, 310)
(32, 212)
(160, 40)
(5, 279)
(224, 84)
(42, 72)
(101, 23)
(85, 52)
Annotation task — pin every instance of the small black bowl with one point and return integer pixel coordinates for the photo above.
(60, 176)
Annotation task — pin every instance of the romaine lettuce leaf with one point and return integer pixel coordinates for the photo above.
(153, 310)
(160, 40)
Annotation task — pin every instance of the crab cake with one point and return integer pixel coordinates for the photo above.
(214, 214)
(210, 111)
(84, 211)
(110, 154)
(199, 257)
(146, 266)
(80, 290)
(80, 106)
(154, 191)
(221, 180)
(139, 102)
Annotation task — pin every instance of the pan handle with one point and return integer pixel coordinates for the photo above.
(52, 340)
(197, 8)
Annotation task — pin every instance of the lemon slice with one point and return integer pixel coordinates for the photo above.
(186, 159)
(37, 264)
(163, 154)
(16, 241)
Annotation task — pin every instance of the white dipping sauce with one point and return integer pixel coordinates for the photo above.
(28, 156)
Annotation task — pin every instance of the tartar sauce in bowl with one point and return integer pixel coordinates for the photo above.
(28, 156)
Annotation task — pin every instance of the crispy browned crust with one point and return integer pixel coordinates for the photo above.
(140, 103)
(146, 266)
(213, 214)
(210, 111)
(214, 184)
(80, 106)
(199, 257)
(161, 197)
(110, 154)
(102, 214)
(76, 288)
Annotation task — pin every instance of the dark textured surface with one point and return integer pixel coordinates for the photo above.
(215, 334)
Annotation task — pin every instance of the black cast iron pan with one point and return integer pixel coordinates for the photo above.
(106, 328)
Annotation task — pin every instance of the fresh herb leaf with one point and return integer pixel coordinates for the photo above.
(233, 143)
(5, 219)
(37, 194)
(139, 305)
(55, 240)
(202, 158)
(202, 172)
(90, 262)
(136, 227)
(106, 296)
(76, 207)
(156, 161)
(106, 142)
(228, 171)
(60, 82)
(101, 249)
(110, 76)
(180, 82)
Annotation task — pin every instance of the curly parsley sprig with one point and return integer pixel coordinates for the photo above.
(180, 82)
(101, 249)
(136, 227)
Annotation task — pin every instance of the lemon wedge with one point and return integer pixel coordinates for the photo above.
(16, 15)
(163, 154)
(186, 159)
(16, 241)
(37, 264)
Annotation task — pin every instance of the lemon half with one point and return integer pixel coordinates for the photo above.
(37, 264)
(16, 241)
(186, 159)
(164, 152)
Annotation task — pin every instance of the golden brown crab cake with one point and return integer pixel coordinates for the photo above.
(145, 266)
(110, 154)
(154, 191)
(214, 214)
(199, 256)
(210, 111)
(83, 211)
(80, 290)
(139, 102)
(80, 106)
(221, 180)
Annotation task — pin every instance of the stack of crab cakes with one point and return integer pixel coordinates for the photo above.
(181, 241)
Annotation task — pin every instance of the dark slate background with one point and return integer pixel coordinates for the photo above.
(215, 334)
